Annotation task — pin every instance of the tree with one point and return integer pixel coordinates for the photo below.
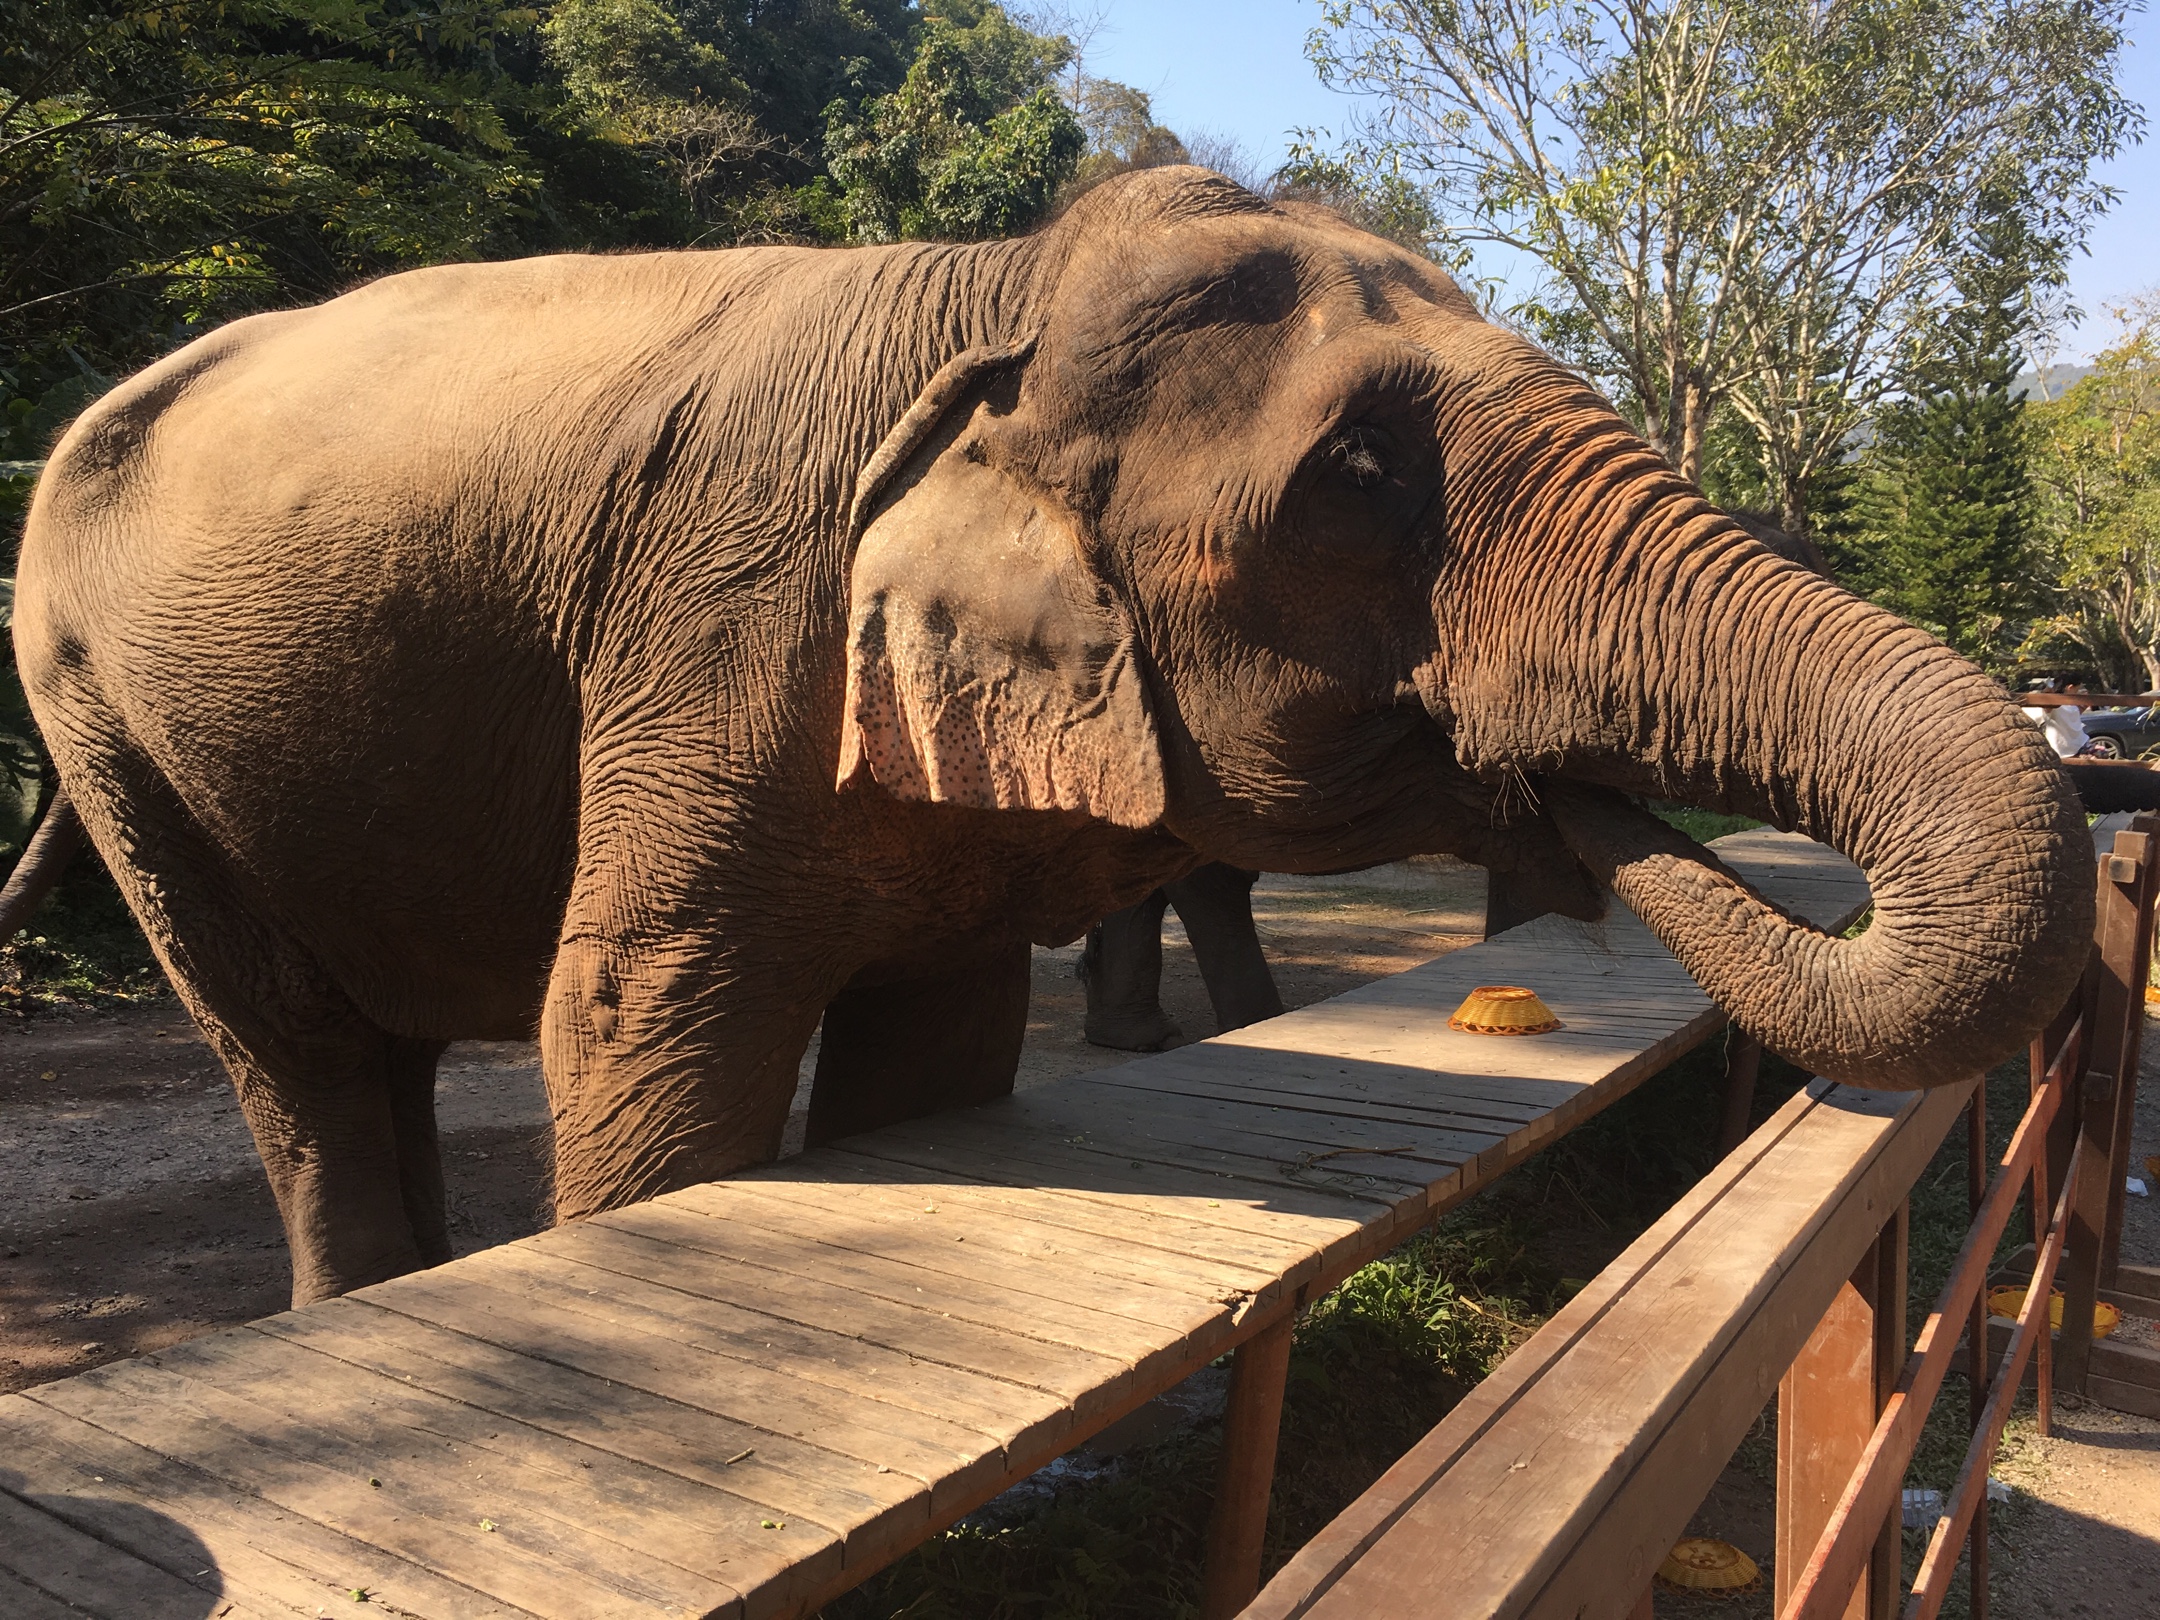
(1122, 135)
(1747, 206)
(2096, 465)
(1944, 513)
(166, 164)
(644, 80)
(953, 153)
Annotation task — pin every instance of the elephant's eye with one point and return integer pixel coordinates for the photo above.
(1361, 454)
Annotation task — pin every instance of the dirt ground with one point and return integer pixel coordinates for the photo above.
(136, 1215)
(2082, 1535)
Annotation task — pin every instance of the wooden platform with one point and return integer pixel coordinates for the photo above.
(746, 1397)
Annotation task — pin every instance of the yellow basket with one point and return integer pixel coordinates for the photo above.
(1703, 1565)
(2007, 1302)
(1503, 1009)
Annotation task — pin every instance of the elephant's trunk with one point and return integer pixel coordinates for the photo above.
(1651, 646)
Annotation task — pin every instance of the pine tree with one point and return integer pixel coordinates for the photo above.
(1942, 520)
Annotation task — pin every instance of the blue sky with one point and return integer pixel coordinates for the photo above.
(1237, 68)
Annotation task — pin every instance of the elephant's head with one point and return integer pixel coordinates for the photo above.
(1260, 532)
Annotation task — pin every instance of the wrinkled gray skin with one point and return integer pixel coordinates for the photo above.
(661, 649)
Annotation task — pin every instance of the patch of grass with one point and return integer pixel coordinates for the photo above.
(82, 950)
(1702, 825)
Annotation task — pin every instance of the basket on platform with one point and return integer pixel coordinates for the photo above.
(1503, 1009)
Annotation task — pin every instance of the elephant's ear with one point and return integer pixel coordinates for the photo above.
(988, 665)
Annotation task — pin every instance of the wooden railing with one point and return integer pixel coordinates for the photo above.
(1824, 1589)
(2085, 700)
(1558, 1484)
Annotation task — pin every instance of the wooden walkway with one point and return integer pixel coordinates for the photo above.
(744, 1398)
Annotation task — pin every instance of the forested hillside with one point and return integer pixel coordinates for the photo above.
(168, 164)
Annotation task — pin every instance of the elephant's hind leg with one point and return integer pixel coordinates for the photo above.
(1121, 966)
(1215, 905)
(342, 1113)
(895, 1051)
(411, 1066)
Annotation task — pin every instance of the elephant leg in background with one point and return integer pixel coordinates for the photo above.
(899, 1050)
(1215, 905)
(1510, 901)
(1121, 966)
(342, 1113)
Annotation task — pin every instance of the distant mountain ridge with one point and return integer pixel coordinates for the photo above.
(2051, 383)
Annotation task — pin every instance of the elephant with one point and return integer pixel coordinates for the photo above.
(1121, 965)
(662, 652)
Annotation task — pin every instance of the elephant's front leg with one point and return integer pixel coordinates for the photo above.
(670, 1060)
(895, 1050)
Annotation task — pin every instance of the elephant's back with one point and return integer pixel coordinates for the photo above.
(315, 574)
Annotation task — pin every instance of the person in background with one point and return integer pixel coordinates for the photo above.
(2063, 724)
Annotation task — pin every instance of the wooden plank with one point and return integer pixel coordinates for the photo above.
(74, 1573)
(1340, 1101)
(530, 1531)
(1206, 1210)
(1289, 1139)
(1826, 1415)
(2123, 1396)
(790, 1478)
(1018, 1158)
(613, 1343)
(19, 1601)
(177, 1516)
(1078, 1135)
(985, 1145)
(1121, 1223)
(917, 1329)
(934, 1217)
(1644, 1381)
(1106, 1316)
(845, 1364)
(2136, 1290)
(1092, 1124)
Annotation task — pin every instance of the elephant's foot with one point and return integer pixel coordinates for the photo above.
(1147, 1030)
(1121, 966)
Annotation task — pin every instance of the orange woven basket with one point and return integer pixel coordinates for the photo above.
(1503, 1009)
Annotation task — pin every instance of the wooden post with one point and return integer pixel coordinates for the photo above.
(1645, 1606)
(1743, 1061)
(1891, 1251)
(2062, 1134)
(1252, 1423)
(1828, 1402)
(2116, 997)
(1978, 1363)
(2126, 1070)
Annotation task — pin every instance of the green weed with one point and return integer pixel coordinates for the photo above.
(81, 950)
